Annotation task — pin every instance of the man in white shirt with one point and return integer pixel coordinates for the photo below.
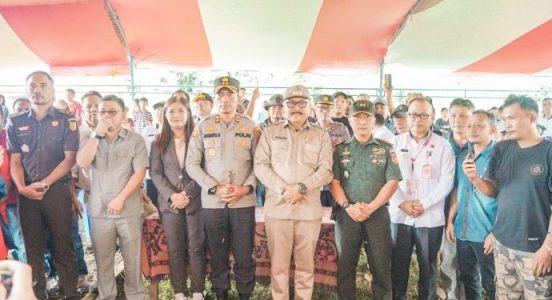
(546, 118)
(417, 214)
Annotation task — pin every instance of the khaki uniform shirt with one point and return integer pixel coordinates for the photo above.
(286, 156)
(219, 154)
(111, 169)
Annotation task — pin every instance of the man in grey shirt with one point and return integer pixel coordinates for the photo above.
(118, 161)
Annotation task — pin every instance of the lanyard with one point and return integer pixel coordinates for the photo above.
(420, 149)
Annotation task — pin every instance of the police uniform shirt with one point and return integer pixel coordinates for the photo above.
(338, 133)
(363, 169)
(42, 143)
(219, 154)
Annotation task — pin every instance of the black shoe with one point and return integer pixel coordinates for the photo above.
(222, 295)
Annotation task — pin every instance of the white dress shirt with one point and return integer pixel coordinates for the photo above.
(546, 123)
(432, 188)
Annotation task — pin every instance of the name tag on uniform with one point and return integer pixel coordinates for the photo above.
(426, 171)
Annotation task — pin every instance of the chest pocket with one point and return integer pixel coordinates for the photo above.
(242, 148)
(124, 157)
(279, 151)
(310, 154)
(213, 149)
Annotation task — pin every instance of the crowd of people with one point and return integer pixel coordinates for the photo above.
(469, 193)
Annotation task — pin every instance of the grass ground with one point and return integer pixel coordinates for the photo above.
(262, 292)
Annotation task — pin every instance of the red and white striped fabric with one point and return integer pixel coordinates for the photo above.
(468, 36)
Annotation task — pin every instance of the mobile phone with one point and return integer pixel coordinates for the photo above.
(471, 151)
(388, 82)
(6, 279)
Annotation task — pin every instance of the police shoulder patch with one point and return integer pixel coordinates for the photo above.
(72, 124)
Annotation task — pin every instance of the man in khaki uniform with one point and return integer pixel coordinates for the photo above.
(220, 160)
(293, 160)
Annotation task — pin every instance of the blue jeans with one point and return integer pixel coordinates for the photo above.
(476, 269)
(13, 235)
(79, 251)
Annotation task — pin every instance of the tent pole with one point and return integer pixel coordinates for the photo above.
(379, 93)
(131, 70)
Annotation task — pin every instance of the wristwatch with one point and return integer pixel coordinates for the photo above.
(302, 188)
(345, 204)
(96, 135)
(212, 190)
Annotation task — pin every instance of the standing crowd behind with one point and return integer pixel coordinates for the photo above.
(468, 193)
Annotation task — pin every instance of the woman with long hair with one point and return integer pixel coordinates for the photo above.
(179, 199)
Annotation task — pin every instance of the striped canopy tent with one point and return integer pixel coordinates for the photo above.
(105, 37)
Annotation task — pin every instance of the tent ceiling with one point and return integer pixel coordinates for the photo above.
(468, 36)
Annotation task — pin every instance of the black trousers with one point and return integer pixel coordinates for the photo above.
(231, 228)
(53, 213)
(185, 239)
(428, 243)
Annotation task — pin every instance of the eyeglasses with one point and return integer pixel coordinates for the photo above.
(293, 104)
(419, 116)
(109, 112)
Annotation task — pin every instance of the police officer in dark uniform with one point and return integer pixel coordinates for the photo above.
(43, 144)
(366, 175)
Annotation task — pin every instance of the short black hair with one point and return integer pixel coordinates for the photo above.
(462, 103)
(72, 91)
(158, 105)
(20, 99)
(380, 120)
(40, 73)
(443, 109)
(91, 93)
(143, 99)
(340, 94)
(491, 117)
(115, 99)
(546, 99)
(180, 91)
(524, 101)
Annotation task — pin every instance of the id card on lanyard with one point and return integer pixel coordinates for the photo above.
(426, 168)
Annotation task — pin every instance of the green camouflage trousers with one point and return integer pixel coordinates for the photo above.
(514, 276)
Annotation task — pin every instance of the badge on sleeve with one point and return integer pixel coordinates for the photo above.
(212, 152)
(25, 148)
(55, 123)
(346, 174)
(394, 158)
(72, 124)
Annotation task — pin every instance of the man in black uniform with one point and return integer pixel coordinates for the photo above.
(43, 143)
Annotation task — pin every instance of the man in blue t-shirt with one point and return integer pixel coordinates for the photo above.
(519, 176)
(472, 214)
